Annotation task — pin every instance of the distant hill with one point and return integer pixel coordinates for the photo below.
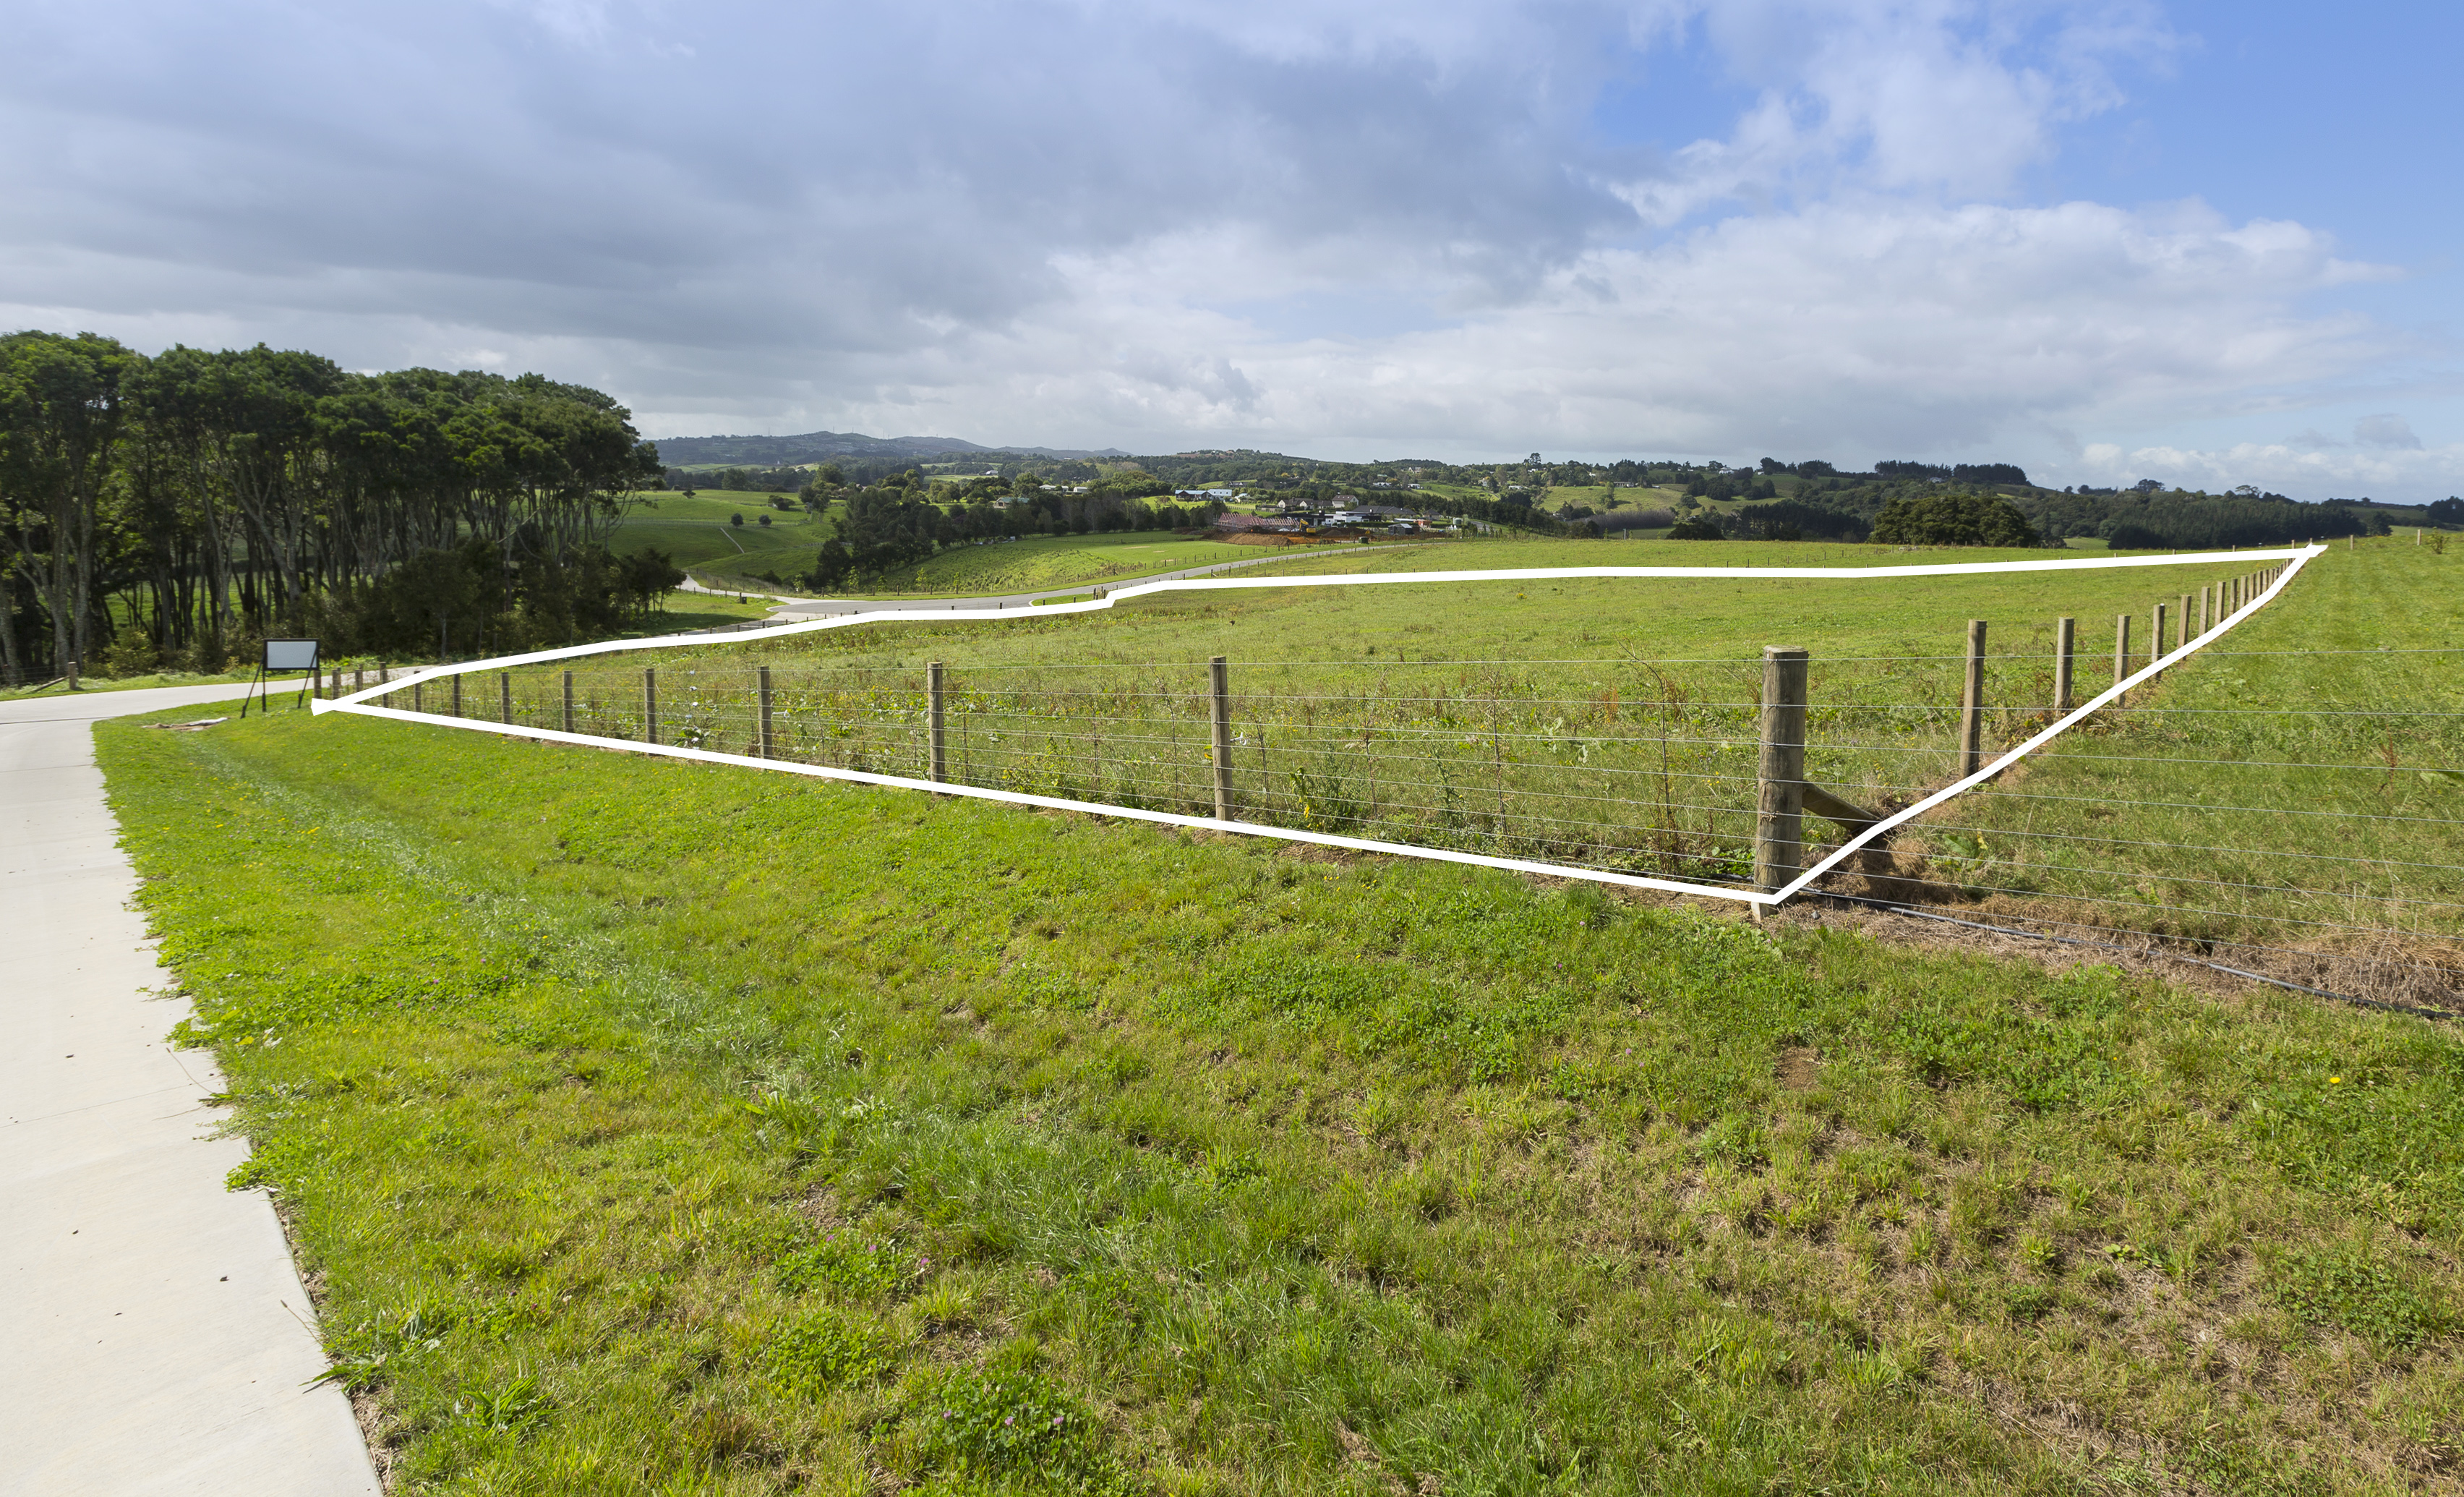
(814, 447)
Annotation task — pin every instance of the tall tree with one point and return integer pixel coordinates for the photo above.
(60, 416)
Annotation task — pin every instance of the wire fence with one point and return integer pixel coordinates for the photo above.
(2319, 834)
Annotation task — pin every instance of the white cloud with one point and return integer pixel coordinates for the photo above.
(1854, 330)
(2412, 475)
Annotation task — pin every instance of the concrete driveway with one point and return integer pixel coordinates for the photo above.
(158, 1337)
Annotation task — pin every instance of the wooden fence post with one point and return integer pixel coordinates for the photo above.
(649, 705)
(1219, 684)
(457, 697)
(766, 746)
(939, 744)
(417, 690)
(1779, 800)
(568, 701)
(2121, 654)
(504, 697)
(2065, 647)
(1971, 703)
(2156, 641)
(2182, 625)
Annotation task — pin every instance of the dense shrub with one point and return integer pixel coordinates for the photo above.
(1953, 518)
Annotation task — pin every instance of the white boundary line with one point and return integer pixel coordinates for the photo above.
(358, 702)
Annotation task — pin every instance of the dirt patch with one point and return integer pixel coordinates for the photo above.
(2388, 969)
(1796, 1070)
(821, 1207)
(1357, 1450)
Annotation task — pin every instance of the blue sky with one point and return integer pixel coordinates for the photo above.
(2109, 239)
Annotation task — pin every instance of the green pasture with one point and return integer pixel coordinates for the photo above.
(2300, 784)
(2263, 793)
(649, 1127)
(1606, 723)
(696, 534)
(1039, 562)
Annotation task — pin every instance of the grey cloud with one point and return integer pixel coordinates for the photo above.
(2385, 430)
(834, 177)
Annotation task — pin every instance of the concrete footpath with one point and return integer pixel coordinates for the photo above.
(157, 1338)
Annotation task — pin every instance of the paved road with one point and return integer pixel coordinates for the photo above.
(832, 608)
(157, 1335)
(691, 585)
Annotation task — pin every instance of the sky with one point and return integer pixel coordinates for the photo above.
(2115, 239)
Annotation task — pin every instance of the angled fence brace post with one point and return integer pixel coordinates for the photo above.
(1779, 800)
(2065, 649)
(1219, 695)
(764, 748)
(939, 743)
(1971, 702)
(649, 705)
(568, 701)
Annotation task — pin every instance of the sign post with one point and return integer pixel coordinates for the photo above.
(283, 656)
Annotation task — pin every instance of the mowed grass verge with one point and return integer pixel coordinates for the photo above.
(653, 1127)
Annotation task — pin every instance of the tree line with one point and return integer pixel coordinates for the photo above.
(171, 511)
(888, 527)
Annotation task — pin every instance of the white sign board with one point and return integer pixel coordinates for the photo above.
(291, 654)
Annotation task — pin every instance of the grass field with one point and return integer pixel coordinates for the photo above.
(1609, 722)
(652, 1127)
(2301, 785)
(696, 534)
(1060, 560)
